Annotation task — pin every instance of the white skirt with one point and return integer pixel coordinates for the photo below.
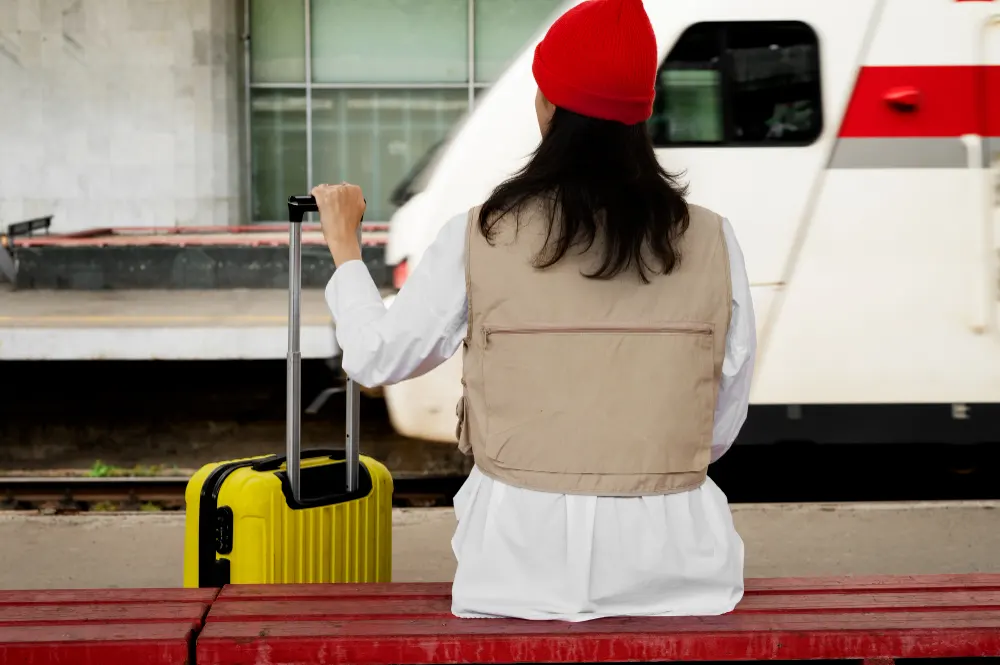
(539, 555)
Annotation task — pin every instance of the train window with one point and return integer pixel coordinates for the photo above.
(742, 83)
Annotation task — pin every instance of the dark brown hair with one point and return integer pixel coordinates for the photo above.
(607, 186)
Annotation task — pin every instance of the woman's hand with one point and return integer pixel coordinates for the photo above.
(340, 210)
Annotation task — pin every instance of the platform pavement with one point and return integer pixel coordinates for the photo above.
(145, 549)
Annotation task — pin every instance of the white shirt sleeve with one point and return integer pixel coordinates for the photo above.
(424, 326)
(741, 348)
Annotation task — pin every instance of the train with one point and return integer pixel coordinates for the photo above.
(856, 151)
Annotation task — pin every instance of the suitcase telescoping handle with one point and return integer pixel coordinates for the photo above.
(298, 206)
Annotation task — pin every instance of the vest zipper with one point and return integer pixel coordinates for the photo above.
(668, 329)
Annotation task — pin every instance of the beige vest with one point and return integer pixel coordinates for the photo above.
(585, 386)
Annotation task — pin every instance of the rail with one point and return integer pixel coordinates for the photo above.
(8, 262)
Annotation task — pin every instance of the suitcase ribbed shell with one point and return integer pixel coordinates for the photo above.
(274, 544)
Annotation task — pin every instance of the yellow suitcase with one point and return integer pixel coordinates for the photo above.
(318, 516)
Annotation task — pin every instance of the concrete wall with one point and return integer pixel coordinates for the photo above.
(121, 112)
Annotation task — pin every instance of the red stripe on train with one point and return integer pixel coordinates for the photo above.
(949, 101)
(991, 109)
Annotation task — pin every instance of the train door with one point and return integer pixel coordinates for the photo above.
(749, 110)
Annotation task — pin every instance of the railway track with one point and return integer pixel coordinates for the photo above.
(752, 474)
(82, 493)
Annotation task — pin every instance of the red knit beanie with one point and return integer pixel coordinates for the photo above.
(599, 60)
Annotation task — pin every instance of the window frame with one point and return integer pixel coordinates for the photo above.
(474, 87)
(725, 70)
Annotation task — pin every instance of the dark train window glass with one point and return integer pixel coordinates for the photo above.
(688, 104)
(742, 83)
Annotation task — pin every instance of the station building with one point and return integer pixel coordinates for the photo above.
(126, 113)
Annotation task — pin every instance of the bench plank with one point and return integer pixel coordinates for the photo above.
(96, 644)
(874, 583)
(101, 626)
(785, 585)
(308, 591)
(873, 618)
(867, 601)
(440, 608)
(98, 596)
(190, 613)
(730, 637)
(404, 626)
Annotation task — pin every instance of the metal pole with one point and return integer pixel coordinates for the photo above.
(352, 447)
(471, 53)
(352, 454)
(309, 105)
(294, 416)
(247, 116)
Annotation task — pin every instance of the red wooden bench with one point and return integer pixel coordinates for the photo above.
(874, 619)
(101, 626)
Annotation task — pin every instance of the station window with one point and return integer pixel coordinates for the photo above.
(752, 83)
(364, 90)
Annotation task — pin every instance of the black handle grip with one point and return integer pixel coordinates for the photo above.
(274, 462)
(298, 206)
(322, 484)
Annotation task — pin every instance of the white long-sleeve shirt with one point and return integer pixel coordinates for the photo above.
(539, 555)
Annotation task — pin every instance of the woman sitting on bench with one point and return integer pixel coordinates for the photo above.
(608, 342)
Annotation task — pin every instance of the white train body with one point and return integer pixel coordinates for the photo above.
(869, 234)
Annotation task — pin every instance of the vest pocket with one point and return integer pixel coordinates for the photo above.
(605, 399)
